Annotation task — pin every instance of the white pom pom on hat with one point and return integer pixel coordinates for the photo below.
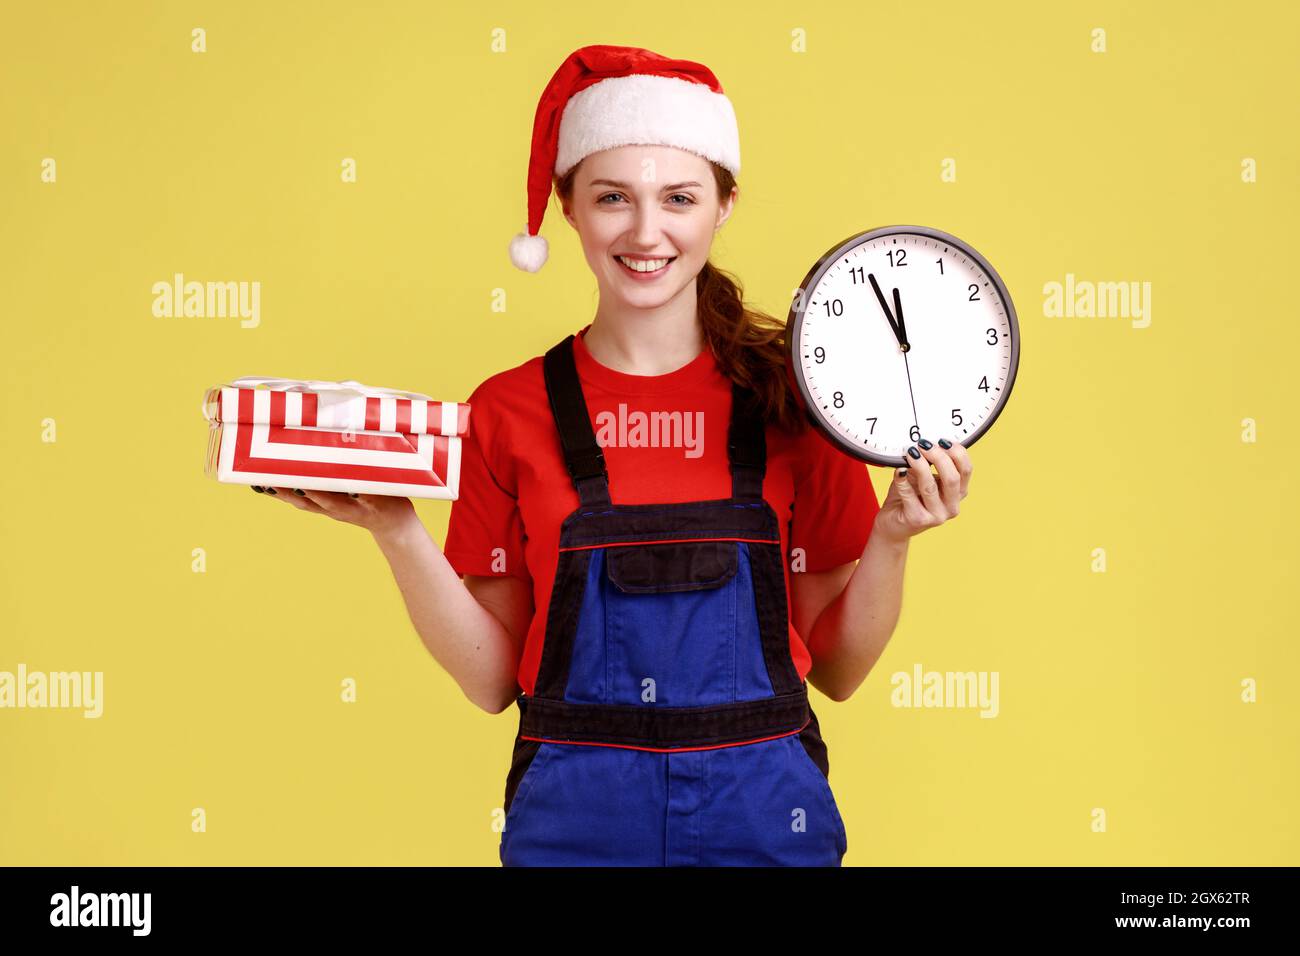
(605, 96)
(528, 252)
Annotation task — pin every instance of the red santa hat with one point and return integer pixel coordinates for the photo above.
(606, 96)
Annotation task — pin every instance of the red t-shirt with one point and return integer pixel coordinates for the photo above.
(515, 489)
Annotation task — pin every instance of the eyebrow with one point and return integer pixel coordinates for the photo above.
(610, 182)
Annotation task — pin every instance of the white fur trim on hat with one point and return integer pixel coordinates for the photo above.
(647, 109)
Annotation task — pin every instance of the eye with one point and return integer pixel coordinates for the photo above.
(689, 201)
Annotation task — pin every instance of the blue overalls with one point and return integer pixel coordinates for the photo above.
(668, 725)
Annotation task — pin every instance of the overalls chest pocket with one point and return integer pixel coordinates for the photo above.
(673, 566)
(670, 624)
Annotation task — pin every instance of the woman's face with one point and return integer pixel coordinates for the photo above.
(646, 203)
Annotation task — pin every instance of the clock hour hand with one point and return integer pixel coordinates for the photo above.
(884, 307)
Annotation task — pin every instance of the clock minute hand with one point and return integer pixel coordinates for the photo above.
(902, 323)
(900, 330)
(884, 307)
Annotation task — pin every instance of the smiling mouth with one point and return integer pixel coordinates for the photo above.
(663, 262)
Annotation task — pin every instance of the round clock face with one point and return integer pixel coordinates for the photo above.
(902, 333)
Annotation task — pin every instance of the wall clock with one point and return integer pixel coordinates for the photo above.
(901, 333)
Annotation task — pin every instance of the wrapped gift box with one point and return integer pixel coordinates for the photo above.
(334, 436)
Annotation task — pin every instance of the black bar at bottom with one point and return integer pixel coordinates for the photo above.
(975, 905)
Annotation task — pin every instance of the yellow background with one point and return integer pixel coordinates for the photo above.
(1119, 690)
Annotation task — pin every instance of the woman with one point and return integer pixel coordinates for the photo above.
(655, 547)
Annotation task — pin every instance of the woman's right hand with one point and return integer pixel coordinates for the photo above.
(378, 514)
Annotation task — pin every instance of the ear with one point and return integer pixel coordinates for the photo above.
(567, 210)
(725, 209)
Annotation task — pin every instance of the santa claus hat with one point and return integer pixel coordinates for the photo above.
(605, 96)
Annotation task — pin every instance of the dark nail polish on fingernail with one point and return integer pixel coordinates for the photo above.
(945, 443)
(258, 488)
(902, 473)
(913, 452)
(924, 444)
(299, 491)
(353, 494)
(272, 491)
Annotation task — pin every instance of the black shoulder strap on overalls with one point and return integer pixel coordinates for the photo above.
(746, 442)
(746, 446)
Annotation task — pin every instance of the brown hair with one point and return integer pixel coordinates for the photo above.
(750, 345)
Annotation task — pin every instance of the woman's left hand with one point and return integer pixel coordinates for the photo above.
(918, 499)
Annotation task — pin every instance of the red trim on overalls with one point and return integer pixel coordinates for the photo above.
(624, 544)
(666, 750)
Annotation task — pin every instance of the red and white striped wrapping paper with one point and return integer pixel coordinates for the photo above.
(334, 436)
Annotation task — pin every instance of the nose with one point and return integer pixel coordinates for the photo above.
(646, 228)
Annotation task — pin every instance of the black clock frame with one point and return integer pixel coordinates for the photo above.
(794, 334)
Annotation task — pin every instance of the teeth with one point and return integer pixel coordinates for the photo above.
(643, 265)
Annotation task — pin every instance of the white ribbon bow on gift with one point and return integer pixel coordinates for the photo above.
(311, 385)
